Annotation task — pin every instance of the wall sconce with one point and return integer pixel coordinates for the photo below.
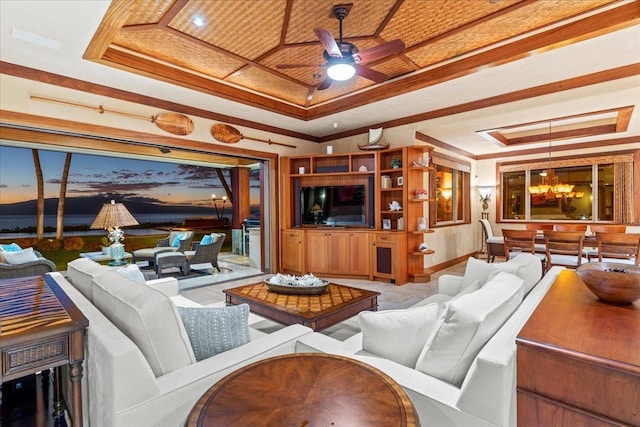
(485, 196)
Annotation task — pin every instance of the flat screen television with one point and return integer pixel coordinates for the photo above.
(333, 205)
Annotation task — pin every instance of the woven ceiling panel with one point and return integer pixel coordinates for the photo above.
(148, 11)
(503, 27)
(171, 48)
(263, 81)
(298, 55)
(363, 20)
(418, 20)
(247, 29)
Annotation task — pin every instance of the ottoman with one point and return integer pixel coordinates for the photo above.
(171, 259)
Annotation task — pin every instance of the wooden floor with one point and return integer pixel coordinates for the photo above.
(30, 405)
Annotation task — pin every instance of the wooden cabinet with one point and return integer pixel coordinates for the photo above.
(359, 258)
(390, 178)
(337, 252)
(388, 257)
(578, 360)
(292, 259)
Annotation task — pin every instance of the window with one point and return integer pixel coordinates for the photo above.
(451, 185)
(591, 189)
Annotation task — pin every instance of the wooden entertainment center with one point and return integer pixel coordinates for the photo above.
(377, 240)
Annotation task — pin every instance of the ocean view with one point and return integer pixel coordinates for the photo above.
(10, 223)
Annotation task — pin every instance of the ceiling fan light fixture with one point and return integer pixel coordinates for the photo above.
(341, 71)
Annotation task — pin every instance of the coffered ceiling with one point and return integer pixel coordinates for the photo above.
(239, 47)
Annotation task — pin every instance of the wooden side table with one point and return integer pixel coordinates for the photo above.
(306, 389)
(41, 328)
(579, 360)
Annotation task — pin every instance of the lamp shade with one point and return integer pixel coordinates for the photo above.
(113, 215)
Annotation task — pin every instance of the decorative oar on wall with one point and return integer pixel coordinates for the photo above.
(174, 123)
(230, 135)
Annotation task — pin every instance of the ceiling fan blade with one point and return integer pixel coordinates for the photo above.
(328, 42)
(325, 84)
(370, 74)
(285, 66)
(380, 51)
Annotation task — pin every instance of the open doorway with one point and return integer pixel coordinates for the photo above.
(247, 234)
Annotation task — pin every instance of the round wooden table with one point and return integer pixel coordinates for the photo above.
(306, 389)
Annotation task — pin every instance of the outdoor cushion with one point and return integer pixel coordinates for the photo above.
(176, 241)
(466, 325)
(147, 317)
(132, 271)
(206, 240)
(19, 256)
(398, 335)
(213, 330)
(11, 247)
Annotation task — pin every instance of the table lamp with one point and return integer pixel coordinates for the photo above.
(111, 217)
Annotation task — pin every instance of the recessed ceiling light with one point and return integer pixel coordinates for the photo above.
(198, 21)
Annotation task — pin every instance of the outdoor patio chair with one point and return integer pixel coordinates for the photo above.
(206, 253)
(39, 267)
(176, 241)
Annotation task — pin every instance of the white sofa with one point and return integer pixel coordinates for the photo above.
(487, 394)
(153, 378)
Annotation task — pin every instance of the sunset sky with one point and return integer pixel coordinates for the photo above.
(132, 179)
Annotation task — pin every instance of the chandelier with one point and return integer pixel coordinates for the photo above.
(550, 185)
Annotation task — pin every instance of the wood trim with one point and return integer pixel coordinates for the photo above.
(436, 142)
(96, 89)
(47, 130)
(636, 186)
(518, 95)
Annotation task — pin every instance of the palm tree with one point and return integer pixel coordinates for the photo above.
(63, 195)
(40, 181)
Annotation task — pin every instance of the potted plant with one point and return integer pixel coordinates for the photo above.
(421, 193)
(396, 163)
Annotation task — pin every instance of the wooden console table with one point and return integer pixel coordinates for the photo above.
(579, 360)
(41, 328)
(306, 389)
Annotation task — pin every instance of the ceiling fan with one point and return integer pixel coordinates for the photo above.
(344, 60)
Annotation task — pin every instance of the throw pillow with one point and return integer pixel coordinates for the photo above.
(176, 241)
(11, 247)
(476, 270)
(132, 272)
(213, 330)
(466, 325)
(206, 240)
(20, 257)
(398, 335)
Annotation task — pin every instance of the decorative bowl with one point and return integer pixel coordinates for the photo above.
(297, 285)
(612, 282)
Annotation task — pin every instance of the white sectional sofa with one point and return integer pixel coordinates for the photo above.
(484, 394)
(139, 368)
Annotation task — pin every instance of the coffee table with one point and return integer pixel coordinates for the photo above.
(318, 312)
(306, 389)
